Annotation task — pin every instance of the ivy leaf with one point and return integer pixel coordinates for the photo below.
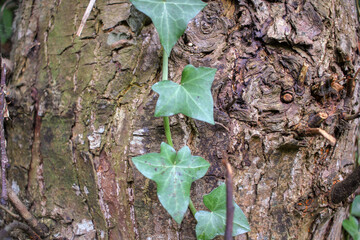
(355, 207)
(173, 173)
(212, 224)
(170, 17)
(6, 20)
(351, 225)
(192, 97)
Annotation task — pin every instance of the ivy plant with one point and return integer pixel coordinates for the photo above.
(355, 207)
(170, 17)
(191, 98)
(174, 171)
(6, 19)
(212, 224)
(351, 225)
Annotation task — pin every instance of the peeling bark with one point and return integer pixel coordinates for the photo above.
(70, 146)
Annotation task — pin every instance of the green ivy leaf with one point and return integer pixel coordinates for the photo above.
(212, 224)
(355, 207)
(173, 173)
(6, 25)
(170, 17)
(351, 225)
(192, 97)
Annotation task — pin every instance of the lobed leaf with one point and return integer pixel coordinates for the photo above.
(170, 17)
(192, 97)
(6, 19)
(351, 225)
(355, 207)
(173, 173)
(212, 224)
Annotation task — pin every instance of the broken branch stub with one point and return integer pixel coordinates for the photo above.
(342, 190)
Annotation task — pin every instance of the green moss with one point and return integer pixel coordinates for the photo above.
(58, 170)
(87, 65)
(106, 74)
(55, 133)
(127, 57)
(87, 178)
(61, 173)
(60, 36)
(104, 110)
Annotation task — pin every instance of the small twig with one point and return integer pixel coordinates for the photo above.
(348, 117)
(4, 159)
(345, 188)
(317, 119)
(85, 17)
(219, 123)
(14, 215)
(307, 132)
(4, 233)
(319, 131)
(229, 199)
(41, 229)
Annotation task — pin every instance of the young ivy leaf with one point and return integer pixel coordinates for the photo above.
(173, 173)
(192, 97)
(351, 225)
(355, 207)
(212, 224)
(170, 17)
(6, 20)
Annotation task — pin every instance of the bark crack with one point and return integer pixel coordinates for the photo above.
(83, 194)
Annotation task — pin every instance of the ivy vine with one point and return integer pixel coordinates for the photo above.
(174, 171)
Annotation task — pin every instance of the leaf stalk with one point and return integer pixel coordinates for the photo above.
(192, 208)
(165, 70)
(167, 131)
(165, 66)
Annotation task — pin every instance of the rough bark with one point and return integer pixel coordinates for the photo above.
(82, 107)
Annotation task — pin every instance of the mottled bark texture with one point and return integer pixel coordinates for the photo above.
(82, 107)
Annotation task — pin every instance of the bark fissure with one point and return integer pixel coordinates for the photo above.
(81, 188)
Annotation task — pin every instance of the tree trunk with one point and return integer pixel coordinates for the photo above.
(82, 107)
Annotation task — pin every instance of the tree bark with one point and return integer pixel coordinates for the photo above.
(82, 107)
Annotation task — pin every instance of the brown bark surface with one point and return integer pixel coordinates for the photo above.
(82, 107)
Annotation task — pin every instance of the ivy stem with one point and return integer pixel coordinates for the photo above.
(165, 66)
(165, 70)
(167, 131)
(192, 208)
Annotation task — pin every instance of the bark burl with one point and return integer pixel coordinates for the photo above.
(82, 107)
